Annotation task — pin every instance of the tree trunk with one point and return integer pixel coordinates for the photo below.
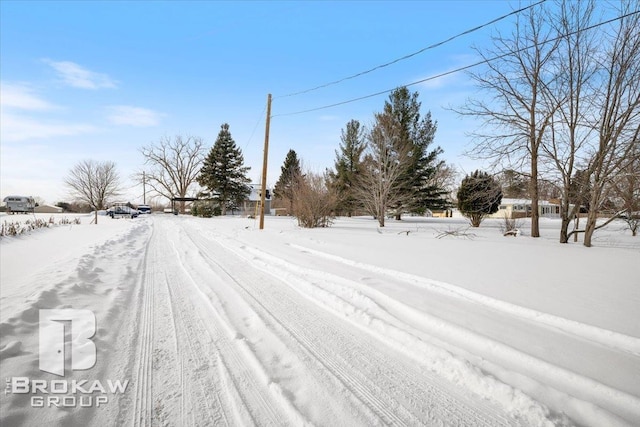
(564, 229)
(592, 217)
(382, 211)
(567, 215)
(535, 215)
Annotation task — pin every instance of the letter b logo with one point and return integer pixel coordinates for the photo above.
(52, 339)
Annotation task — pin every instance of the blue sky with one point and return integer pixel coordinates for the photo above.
(98, 80)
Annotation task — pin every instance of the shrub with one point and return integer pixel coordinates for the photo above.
(510, 226)
(479, 195)
(313, 201)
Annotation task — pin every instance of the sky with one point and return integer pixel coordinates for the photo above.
(99, 80)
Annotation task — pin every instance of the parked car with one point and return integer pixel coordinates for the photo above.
(144, 209)
(122, 211)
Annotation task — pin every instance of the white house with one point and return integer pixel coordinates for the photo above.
(521, 208)
(252, 203)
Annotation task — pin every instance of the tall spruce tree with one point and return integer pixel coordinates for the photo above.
(224, 172)
(416, 133)
(289, 176)
(348, 166)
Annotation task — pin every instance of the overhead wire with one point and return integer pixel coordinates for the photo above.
(456, 70)
(255, 127)
(432, 46)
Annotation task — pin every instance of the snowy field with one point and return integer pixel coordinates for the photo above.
(213, 322)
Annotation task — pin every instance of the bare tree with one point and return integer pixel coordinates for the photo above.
(626, 191)
(572, 92)
(445, 178)
(94, 183)
(385, 164)
(618, 111)
(174, 166)
(39, 201)
(515, 112)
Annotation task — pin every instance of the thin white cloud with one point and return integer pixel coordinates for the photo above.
(15, 128)
(75, 75)
(328, 118)
(449, 81)
(22, 97)
(133, 116)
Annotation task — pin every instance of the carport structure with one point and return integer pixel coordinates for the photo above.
(182, 200)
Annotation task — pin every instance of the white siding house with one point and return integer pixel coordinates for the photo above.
(521, 208)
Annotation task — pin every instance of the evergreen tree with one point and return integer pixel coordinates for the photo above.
(479, 195)
(224, 172)
(419, 190)
(289, 176)
(579, 190)
(348, 165)
(514, 184)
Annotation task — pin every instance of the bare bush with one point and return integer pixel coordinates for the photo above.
(313, 202)
(16, 228)
(510, 226)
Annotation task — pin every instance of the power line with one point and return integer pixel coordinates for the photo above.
(469, 31)
(255, 127)
(466, 67)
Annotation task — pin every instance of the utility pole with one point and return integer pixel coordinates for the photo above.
(144, 189)
(263, 190)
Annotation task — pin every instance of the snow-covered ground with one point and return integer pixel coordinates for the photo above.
(214, 322)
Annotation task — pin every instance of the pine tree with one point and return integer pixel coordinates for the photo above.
(348, 166)
(419, 191)
(479, 195)
(514, 184)
(289, 176)
(224, 172)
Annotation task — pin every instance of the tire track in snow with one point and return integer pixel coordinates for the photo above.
(592, 333)
(408, 394)
(364, 308)
(185, 369)
(143, 403)
(201, 390)
(239, 371)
